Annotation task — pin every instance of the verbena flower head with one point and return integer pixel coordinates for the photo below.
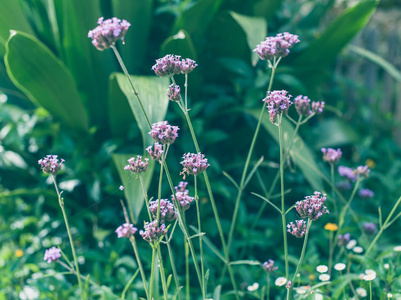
(152, 233)
(137, 164)
(169, 65)
(298, 229)
(194, 164)
(52, 254)
(188, 65)
(312, 207)
(155, 151)
(317, 107)
(50, 164)
(125, 230)
(173, 92)
(366, 193)
(331, 155)
(346, 172)
(288, 285)
(269, 267)
(163, 132)
(108, 32)
(182, 195)
(369, 228)
(302, 104)
(167, 212)
(343, 239)
(362, 172)
(277, 46)
(277, 102)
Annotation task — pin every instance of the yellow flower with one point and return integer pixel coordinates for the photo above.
(370, 163)
(312, 277)
(331, 227)
(19, 253)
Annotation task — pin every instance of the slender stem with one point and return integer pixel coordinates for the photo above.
(370, 288)
(177, 282)
(152, 273)
(268, 287)
(188, 288)
(128, 285)
(333, 194)
(162, 274)
(331, 249)
(74, 255)
(145, 194)
(200, 239)
(301, 257)
(283, 219)
(160, 186)
(138, 260)
(186, 91)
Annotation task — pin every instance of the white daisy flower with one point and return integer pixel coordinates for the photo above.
(389, 295)
(317, 297)
(369, 277)
(322, 269)
(386, 266)
(357, 249)
(339, 266)
(253, 287)
(361, 292)
(370, 271)
(324, 277)
(351, 244)
(280, 281)
(361, 276)
(397, 248)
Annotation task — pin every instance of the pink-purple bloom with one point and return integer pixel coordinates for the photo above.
(369, 227)
(346, 172)
(194, 164)
(121, 187)
(298, 229)
(168, 65)
(108, 32)
(152, 233)
(167, 211)
(155, 151)
(331, 155)
(268, 266)
(317, 107)
(50, 164)
(182, 195)
(187, 65)
(164, 133)
(277, 46)
(173, 92)
(277, 102)
(362, 172)
(312, 207)
(366, 193)
(302, 105)
(137, 164)
(344, 185)
(52, 254)
(343, 239)
(125, 230)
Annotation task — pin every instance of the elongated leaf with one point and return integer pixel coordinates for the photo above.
(334, 133)
(152, 91)
(299, 149)
(34, 69)
(266, 8)
(246, 262)
(380, 61)
(132, 186)
(11, 18)
(216, 293)
(255, 30)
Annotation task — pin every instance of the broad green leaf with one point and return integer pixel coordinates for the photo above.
(216, 293)
(139, 14)
(300, 152)
(11, 18)
(380, 61)
(266, 8)
(132, 185)
(152, 91)
(35, 70)
(255, 30)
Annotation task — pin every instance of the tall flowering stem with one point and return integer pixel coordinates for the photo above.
(74, 255)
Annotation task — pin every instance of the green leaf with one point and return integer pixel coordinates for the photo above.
(300, 152)
(11, 18)
(152, 91)
(334, 133)
(266, 8)
(246, 262)
(132, 186)
(35, 70)
(216, 293)
(255, 30)
(381, 62)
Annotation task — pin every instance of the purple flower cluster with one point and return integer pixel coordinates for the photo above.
(366, 194)
(52, 254)
(171, 65)
(164, 133)
(346, 172)
(277, 102)
(302, 104)
(343, 239)
(182, 195)
(173, 92)
(137, 165)
(155, 151)
(269, 267)
(312, 207)
(125, 230)
(153, 233)
(369, 228)
(298, 230)
(167, 212)
(50, 164)
(331, 155)
(362, 171)
(317, 107)
(194, 164)
(108, 32)
(277, 46)
(343, 185)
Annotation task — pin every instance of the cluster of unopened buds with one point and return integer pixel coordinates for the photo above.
(167, 211)
(164, 133)
(171, 65)
(183, 198)
(298, 229)
(137, 164)
(50, 164)
(277, 102)
(276, 46)
(152, 232)
(312, 207)
(194, 164)
(125, 230)
(108, 32)
(331, 155)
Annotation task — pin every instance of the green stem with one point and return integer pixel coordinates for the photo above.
(160, 185)
(177, 282)
(162, 274)
(74, 255)
(301, 258)
(188, 288)
(268, 287)
(331, 250)
(370, 288)
(145, 194)
(333, 197)
(138, 260)
(152, 273)
(200, 239)
(124, 292)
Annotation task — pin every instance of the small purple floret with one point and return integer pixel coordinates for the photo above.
(137, 165)
(108, 32)
(164, 133)
(155, 151)
(277, 102)
(125, 230)
(331, 155)
(298, 229)
(366, 193)
(187, 65)
(173, 92)
(50, 164)
(362, 172)
(346, 172)
(317, 107)
(302, 104)
(369, 228)
(169, 65)
(152, 233)
(277, 46)
(182, 195)
(167, 212)
(343, 239)
(312, 207)
(269, 267)
(52, 254)
(194, 164)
